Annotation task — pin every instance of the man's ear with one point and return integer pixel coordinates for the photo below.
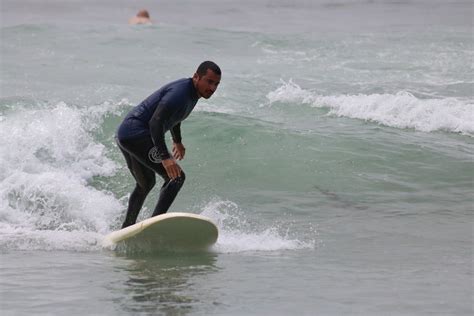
(196, 76)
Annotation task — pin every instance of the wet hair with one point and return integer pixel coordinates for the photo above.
(143, 14)
(205, 65)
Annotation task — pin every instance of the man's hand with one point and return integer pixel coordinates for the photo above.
(178, 151)
(172, 168)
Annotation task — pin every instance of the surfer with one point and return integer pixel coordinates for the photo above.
(141, 137)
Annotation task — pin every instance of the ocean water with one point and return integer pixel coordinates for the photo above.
(336, 157)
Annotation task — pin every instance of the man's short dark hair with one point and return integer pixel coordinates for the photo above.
(205, 65)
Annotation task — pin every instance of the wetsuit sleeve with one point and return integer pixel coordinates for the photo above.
(157, 129)
(176, 133)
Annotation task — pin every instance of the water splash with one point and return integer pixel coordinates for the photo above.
(238, 234)
(45, 199)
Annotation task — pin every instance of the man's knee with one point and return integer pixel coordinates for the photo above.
(180, 180)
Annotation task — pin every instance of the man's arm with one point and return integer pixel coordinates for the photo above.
(157, 129)
(176, 133)
(178, 148)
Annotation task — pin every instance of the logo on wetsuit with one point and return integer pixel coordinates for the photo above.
(153, 155)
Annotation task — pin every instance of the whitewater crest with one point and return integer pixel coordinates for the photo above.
(400, 110)
(49, 157)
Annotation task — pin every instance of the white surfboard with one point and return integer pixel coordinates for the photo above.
(170, 231)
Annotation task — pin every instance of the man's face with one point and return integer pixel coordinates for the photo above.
(206, 85)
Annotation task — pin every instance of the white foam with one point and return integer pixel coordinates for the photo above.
(215, 106)
(400, 110)
(237, 234)
(47, 158)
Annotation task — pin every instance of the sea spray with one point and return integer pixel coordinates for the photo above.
(238, 234)
(46, 200)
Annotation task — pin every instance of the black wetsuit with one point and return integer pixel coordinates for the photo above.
(141, 138)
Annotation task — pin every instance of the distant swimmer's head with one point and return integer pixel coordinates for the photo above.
(142, 17)
(143, 14)
(206, 79)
